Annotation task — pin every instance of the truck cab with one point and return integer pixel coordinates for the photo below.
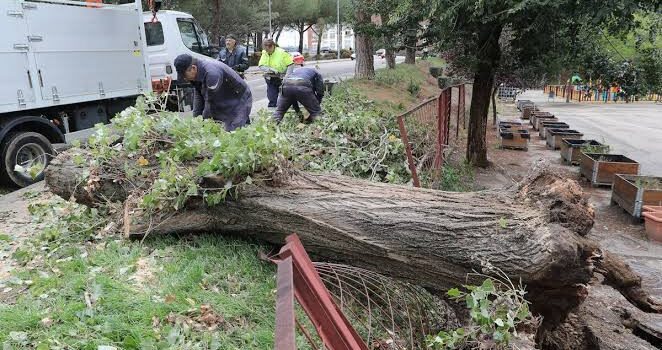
(169, 34)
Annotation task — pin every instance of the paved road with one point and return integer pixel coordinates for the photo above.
(634, 129)
(335, 69)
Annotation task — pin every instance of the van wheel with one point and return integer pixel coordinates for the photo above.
(31, 151)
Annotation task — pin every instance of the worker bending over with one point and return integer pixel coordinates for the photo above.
(304, 85)
(219, 92)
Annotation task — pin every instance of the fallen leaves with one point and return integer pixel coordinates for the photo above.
(203, 319)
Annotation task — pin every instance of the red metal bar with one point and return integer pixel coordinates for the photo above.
(410, 157)
(464, 108)
(459, 92)
(439, 146)
(285, 338)
(333, 328)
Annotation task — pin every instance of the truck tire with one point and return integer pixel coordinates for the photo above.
(25, 149)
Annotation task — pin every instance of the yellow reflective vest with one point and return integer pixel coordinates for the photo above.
(279, 60)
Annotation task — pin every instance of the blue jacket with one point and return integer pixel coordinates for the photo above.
(310, 75)
(220, 93)
(237, 59)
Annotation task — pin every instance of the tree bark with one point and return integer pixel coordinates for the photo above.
(365, 61)
(435, 239)
(319, 40)
(279, 30)
(533, 232)
(410, 49)
(494, 109)
(488, 60)
(390, 58)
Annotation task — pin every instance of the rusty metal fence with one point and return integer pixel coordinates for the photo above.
(425, 129)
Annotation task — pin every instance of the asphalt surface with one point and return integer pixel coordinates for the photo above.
(633, 129)
(334, 69)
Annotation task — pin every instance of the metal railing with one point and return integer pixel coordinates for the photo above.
(425, 128)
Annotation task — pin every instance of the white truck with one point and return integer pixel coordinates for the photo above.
(69, 65)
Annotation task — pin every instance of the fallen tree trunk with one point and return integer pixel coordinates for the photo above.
(432, 238)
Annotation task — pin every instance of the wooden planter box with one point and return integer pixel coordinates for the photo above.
(601, 168)
(571, 149)
(514, 138)
(538, 117)
(555, 136)
(633, 192)
(551, 125)
(522, 103)
(510, 124)
(544, 119)
(527, 110)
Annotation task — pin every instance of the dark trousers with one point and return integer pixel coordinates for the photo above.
(273, 86)
(297, 93)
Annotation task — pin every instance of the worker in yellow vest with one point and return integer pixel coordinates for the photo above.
(274, 62)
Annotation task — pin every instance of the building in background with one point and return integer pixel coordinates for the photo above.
(289, 39)
(330, 39)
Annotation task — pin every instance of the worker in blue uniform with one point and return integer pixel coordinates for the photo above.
(219, 92)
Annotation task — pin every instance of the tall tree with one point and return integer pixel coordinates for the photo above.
(471, 30)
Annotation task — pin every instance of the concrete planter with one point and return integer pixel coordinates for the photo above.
(600, 169)
(555, 136)
(514, 138)
(571, 149)
(654, 225)
(633, 192)
(551, 125)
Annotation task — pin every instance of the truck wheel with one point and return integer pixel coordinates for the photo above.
(31, 151)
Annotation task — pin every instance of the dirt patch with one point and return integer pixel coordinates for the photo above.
(145, 272)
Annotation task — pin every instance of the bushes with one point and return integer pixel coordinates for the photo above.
(353, 138)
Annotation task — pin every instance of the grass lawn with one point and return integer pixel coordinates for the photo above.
(192, 292)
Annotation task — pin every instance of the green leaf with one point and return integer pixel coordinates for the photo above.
(487, 286)
(192, 190)
(453, 293)
(498, 336)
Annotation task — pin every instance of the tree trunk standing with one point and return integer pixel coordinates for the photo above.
(365, 61)
(301, 30)
(258, 42)
(279, 30)
(216, 21)
(410, 50)
(390, 58)
(494, 109)
(488, 60)
(320, 32)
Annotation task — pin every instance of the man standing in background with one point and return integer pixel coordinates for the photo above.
(234, 55)
(277, 60)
